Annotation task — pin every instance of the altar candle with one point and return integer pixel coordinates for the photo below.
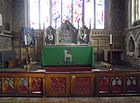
(25, 39)
(78, 25)
(90, 24)
(110, 38)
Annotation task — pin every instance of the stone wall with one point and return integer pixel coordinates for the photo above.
(18, 21)
(117, 14)
(127, 19)
(5, 11)
(18, 16)
(5, 43)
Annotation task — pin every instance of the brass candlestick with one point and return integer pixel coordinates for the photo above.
(110, 59)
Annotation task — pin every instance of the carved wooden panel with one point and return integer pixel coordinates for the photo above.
(103, 85)
(103, 41)
(23, 85)
(9, 85)
(117, 84)
(50, 37)
(36, 84)
(95, 42)
(131, 84)
(67, 33)
(81, 85)
(0, 85)
(58, 85)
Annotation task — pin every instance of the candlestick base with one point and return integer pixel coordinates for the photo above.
(110, 68)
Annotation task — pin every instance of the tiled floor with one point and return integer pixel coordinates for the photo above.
(71, 100)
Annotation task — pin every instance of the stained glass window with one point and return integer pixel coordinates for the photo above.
(34, 14)
(44, 16)
(67, 12)
(56, 13)
(89, 14)
(79, 12)
(99, 14)
(135, 11)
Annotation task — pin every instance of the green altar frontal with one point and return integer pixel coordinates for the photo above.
(67, 56)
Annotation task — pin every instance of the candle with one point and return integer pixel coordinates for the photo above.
(25, 39)
(90, 24)
(44, 25)
(78, 25)
(110, 38)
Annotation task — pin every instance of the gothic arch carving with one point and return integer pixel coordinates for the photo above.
(138, 46)
(137, 35)
(67, 33)
(130, 44)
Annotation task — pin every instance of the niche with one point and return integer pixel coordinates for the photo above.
(138, 49)
(131, 47)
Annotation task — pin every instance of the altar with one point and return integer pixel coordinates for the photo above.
(68, 56)
(67, 47)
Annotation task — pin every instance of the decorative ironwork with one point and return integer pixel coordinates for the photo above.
(58, 85)
(23, 85)
(82, 86)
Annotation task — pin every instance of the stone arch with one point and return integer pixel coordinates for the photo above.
(137, 36)
(138, 46)
(130, 44)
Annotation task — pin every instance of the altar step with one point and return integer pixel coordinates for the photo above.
(67, 69)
